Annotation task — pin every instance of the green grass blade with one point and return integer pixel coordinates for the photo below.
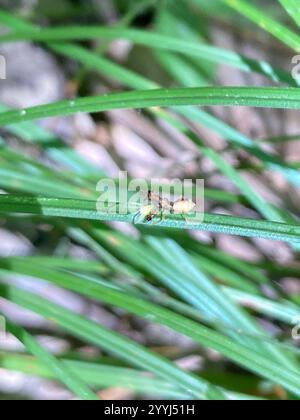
(83, 209)
(92, 61)
(103, 375)
(232, 314)
(237, 139)
(147, 39)
(96, 287)
(54, 147)
(70, 264)
(208, 338)
(58, 368)
(282, 311)
(225, 275)
(229, 133)
(19, 175)
(166, 274)
(96, 375)
(248, 270)
(34, 184)
(134, 80)
(270, 25)
(257, 201)
(113, 343)
(292, 7)
(287, 98)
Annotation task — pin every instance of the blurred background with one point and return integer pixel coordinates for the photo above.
(146, 146)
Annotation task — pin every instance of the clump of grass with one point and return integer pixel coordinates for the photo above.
(165, 275)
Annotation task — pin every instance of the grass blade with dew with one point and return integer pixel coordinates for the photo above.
(86, 209)
(281, 98)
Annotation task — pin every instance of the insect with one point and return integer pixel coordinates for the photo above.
(148, 213)
(157, 205)
(183, 206)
